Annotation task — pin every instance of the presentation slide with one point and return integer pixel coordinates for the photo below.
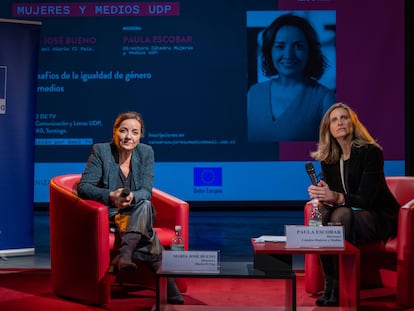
(193, 69)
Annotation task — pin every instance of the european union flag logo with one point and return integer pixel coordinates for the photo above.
(207, 176)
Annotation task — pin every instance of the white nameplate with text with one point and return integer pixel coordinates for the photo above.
(191, 261)
(314, 236)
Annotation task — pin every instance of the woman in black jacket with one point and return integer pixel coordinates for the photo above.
(353, 190)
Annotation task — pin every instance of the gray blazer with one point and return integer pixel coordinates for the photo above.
(102, 170)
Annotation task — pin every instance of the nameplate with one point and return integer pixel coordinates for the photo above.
(191, 261)
(312, 236)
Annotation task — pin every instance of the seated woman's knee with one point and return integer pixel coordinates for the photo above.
(342, 215)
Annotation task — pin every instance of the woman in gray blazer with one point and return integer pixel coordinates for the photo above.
(120, 175)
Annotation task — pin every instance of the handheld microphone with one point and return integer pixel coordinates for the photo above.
(310, 169)
(125, 192)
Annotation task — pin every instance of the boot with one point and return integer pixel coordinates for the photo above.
(333, 300)
(327, 291)
(174, 296)
(123, 261)
(330, 296)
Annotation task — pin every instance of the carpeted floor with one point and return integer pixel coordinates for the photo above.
(30, 289)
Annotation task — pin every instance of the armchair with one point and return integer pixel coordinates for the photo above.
(387, 264)
(81, 242)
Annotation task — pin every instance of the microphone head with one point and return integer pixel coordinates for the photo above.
(310, 168)
(125, 192)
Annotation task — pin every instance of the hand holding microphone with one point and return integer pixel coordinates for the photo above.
(310, 169)
(125, 192)
(121, 197)
(321, 192)
(124, 200)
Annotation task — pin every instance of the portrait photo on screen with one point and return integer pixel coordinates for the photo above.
(292, 73)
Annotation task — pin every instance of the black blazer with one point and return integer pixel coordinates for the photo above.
(367, 188)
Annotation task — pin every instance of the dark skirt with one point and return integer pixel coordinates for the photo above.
(360, 226)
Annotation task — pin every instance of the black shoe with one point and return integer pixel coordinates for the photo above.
(325, 297)
(174, 296)
(333, 301)
(127, 265)
(175, 300)
(113, 268)
(119, 264)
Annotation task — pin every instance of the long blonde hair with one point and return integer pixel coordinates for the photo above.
(328, 150)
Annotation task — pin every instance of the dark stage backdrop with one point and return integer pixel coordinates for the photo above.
(187, 66)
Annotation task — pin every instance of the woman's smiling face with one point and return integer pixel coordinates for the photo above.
(128, 134)
(290, 52)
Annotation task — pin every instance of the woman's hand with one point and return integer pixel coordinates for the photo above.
(119, 199)
(322, 192)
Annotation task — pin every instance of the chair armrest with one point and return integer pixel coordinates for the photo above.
(79, 243)
(402, 187)
(307, 210)
(405, 255)
(171, 211)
